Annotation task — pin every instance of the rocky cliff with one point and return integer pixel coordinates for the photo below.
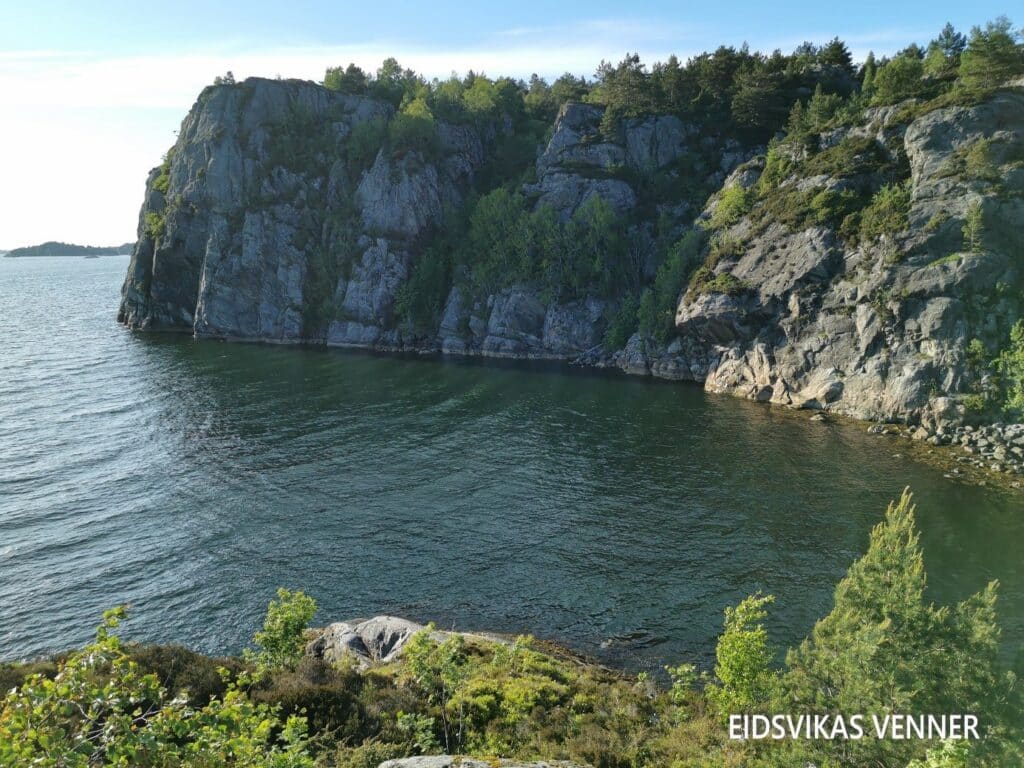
(267, 223)
(880, 328)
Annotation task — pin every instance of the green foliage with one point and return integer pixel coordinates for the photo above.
(421, 298)
(364, 142)
(419, 731)
(979, 163)
(777, 168)
(512, 159)
(949, 754)
(977, 355)
(936, 221)
(505, 244)
(883, 649)
(413, 130)
(154, 225)
(733, 203)
(855, 159)
(899, 79)
(993, 55)
(707, 281)
(499, 247)
(282, 640)
(183, 672)
(822, 108)
(101, 709)
(743, 660)
(656, 314)
(829, 207)
(1010, 365)
(850, 157)
(327, 261)
(162, 182)
(350, 79)
(887, 213)
(509, 699)
(974, 226)
(622, 324)
(327, 697)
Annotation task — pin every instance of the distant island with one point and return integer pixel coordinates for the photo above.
(53, 248)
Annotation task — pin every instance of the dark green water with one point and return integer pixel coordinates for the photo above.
(612, 514)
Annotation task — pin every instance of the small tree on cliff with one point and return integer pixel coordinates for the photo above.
(974, 226)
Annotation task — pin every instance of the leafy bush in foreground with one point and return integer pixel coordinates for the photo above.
(100, 708)
(881, 650)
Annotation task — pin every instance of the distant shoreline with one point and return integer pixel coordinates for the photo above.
(53, 248)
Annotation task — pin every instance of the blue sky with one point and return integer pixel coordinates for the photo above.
(92, 93)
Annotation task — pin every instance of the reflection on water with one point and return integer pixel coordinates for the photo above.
(612, 514)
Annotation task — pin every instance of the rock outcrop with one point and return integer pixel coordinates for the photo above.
(380, 640)
(877, 330)
(265, 225)
(377, 640)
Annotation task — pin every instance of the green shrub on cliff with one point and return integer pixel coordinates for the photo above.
(1010, 365)
(364, 142)
(732, 204)
(657, 304)
(656, 315)
(887, 213)
(154, 225)
(163, 179)
(974, 226)
(506, 244)
(413, 129)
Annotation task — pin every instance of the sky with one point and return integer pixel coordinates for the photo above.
(92, 93)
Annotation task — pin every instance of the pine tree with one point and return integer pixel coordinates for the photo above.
(836, 54)
(883, 649)
(992, 56)
(974, 226)
(950, 42)
(867, 81)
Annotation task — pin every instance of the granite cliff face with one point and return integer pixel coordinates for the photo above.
(877, 330)
(263, 225)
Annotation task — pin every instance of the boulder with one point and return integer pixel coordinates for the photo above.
(377, 640)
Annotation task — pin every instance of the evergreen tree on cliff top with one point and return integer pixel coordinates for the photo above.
(993, 55)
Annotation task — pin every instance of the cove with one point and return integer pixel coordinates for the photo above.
(615, 515)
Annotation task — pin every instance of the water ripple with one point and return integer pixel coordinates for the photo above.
(616, 515)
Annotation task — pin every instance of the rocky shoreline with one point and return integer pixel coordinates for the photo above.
(899, 328)
(977, 454)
